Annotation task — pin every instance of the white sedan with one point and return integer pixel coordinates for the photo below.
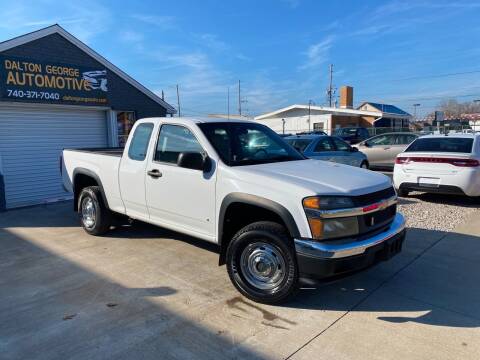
(446, 164)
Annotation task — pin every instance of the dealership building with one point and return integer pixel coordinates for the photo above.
(56, 93)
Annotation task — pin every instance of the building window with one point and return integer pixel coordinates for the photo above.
(125, 121)
(318, 126)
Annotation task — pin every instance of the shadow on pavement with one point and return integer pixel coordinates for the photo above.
(436, 275)
(56, 305)
(54, 308)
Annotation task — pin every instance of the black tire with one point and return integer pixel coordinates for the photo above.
(271, 240)
(365, 165)
(403, 192)
(102, 216)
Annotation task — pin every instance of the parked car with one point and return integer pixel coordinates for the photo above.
(381, 150)
(275, 214)
(448, 164)
(328, 148)
(352, 135)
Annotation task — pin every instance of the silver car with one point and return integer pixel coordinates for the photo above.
(328, 148)
(381, 150)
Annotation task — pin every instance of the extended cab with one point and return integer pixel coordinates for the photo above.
(275, 215)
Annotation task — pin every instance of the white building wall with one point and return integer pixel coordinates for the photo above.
(299, 123)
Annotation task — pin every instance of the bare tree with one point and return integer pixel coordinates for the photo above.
(452, 107)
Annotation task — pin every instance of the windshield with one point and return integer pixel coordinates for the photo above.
(442, 144)
(248, 144)
(299, 144)
(346, 131)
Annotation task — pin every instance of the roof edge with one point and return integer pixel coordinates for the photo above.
(57, 29)
(319, 108)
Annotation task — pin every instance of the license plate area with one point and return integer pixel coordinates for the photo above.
(431, 182)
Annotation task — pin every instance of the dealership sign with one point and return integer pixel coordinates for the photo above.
(35, 81)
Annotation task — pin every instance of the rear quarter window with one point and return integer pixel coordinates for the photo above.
(440, 144)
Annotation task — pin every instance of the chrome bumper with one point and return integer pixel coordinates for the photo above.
(332, 251)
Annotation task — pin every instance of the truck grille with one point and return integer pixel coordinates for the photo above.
(372, 198)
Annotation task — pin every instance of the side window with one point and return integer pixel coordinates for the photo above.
(341, 145)
(174, 139)
(381, 140)
(139, 144)
(323, 144)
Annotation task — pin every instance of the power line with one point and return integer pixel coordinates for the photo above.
(437, 76)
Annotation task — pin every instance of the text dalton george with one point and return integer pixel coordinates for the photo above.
(21, 73)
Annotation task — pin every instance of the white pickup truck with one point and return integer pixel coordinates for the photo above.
(275, 215)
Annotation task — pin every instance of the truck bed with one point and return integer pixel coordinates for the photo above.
(118, 151)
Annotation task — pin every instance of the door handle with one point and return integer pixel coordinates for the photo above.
(387, 148)
(155, 173)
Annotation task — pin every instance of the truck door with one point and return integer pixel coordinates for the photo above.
(131, 174)
(179, 198)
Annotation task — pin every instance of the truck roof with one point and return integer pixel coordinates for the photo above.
(193, 120)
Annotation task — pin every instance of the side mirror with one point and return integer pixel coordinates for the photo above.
(194, 161)
(366, 143)
(353, 149)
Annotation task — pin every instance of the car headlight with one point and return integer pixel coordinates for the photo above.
(327, 202)
(323, 229)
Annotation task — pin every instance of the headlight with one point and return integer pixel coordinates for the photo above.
(323, 229)
(327, 202)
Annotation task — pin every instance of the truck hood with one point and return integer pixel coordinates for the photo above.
(318, 176)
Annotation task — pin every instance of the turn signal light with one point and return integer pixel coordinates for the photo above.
(311, 203)
(316, 227)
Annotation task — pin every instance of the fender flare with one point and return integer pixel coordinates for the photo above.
(259, 201)
(90, 173)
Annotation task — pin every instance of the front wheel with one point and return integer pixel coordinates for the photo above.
(95, 217)
(261, 262)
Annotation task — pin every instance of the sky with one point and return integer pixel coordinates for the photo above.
(399, 52)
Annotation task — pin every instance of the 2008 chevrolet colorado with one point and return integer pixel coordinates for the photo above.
(275, 214)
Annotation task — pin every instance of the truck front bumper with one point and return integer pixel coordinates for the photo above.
(320, 260)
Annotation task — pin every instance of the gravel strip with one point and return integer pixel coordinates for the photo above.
(436, 212)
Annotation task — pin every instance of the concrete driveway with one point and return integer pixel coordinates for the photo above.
(146, 293)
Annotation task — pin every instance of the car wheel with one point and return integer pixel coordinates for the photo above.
(402, 192)
(262, 264)
(95, 217)
(364, 165)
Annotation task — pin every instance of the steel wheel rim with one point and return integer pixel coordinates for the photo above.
(88, 212)
(263, 266)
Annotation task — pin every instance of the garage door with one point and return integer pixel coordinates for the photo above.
(31, 141)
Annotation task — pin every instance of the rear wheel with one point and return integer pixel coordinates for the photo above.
(364, 165)
(95, 217)
(261, 262)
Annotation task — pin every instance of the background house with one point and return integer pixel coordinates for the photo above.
(298, 118)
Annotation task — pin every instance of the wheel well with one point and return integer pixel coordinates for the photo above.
(239, 215)
(80, 182)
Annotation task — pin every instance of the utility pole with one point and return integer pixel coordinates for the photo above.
(178, 103)
(239, 100)
(309, 112)
(415, 111)
(330, 87)
(228, 103)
